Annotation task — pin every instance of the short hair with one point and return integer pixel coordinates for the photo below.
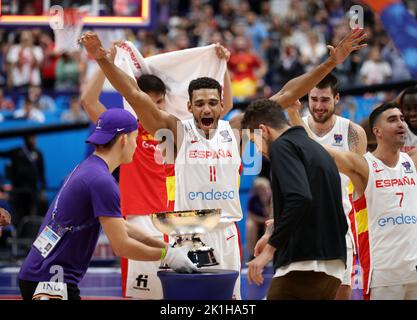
(264, 111)
(375, 114)
(409, 90)
(203, 83)
(150, 83)
(111, 143)
(329, 81)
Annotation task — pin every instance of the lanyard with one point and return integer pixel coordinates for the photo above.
(55, 210)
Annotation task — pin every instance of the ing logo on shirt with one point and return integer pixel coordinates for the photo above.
(338, 138)
(407, 167)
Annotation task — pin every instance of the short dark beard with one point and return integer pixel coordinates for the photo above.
(322, 120)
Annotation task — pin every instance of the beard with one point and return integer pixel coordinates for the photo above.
(323, 118)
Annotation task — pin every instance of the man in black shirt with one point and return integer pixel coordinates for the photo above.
(308, 241)
(27, 174)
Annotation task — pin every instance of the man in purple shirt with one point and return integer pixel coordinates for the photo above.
(88, 200)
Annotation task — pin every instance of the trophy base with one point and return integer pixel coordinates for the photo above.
(203, 257)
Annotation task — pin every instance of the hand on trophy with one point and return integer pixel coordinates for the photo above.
(177, 259)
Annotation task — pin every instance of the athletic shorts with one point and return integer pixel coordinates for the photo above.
(398, 292)
(347, 276)
(139, 279)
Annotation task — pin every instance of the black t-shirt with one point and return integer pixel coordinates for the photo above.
(310, 223)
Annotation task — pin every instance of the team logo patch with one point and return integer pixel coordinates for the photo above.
(338, 140)
(226, 136)
(407, 167)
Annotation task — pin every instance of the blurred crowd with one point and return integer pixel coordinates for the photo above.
(271, 42)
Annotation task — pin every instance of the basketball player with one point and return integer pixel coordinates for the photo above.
(207, 156)
(385, 181)
(407, 102)
(88, 201)
(142, 179)
(342, 134)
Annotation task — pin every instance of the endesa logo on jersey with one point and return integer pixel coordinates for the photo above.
(209, 154)
(212, 195)
(398, 220)
(388, 183)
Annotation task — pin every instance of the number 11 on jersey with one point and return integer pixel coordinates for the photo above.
(213, 177)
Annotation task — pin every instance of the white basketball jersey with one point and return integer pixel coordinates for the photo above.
(338, 139)
(410, 141)
(391, 198)
(207, 172)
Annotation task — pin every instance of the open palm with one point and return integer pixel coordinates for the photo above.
(351, 42)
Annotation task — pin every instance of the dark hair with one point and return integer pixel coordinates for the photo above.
(264, 111)
(409, 90)
(109, 144)
(373, 117)
(150, 83)
(203, 83)
(329, 81)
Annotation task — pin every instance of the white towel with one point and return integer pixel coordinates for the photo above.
(176, 69)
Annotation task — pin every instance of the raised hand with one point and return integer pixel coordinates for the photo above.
(112, 50)
(92, 44)
(222, 52)
(351, 42)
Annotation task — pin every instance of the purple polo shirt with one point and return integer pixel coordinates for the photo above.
(91, 192)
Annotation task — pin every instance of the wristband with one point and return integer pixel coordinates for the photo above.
(163, 253)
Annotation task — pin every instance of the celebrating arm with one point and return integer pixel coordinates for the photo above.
(300, 86)
(151, 117)
(357, 139)
(90, 96)
(223, 53)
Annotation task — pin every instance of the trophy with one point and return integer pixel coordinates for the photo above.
(187, 227)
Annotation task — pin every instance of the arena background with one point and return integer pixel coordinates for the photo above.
(276, 32)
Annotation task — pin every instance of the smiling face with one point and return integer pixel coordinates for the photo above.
(321, 104)
(206, 107)
(391, 128)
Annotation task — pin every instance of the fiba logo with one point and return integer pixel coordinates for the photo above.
(142, 282)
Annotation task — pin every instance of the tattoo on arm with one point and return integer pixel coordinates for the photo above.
(353, 138)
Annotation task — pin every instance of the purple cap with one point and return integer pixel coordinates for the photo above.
(110, 123)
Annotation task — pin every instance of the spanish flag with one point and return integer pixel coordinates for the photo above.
(363, 242)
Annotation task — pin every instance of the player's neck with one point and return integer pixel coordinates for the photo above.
(109, 158)
(321, 129)
(389, 155)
